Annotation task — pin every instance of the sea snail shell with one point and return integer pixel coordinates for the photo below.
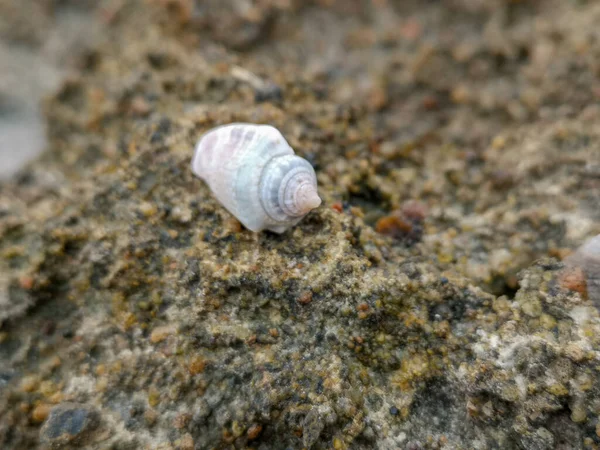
(256, 176)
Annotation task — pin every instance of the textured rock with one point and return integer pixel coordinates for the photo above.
(68, 426)
(131, 289)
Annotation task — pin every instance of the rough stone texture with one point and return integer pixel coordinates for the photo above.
(69, 425)
(473, 124)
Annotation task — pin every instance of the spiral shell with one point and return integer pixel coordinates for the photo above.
(256, 176)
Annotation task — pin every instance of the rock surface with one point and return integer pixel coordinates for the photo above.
(69, 425)
(420, 307)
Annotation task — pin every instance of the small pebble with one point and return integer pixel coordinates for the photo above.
(254, 431)
(305, 298)
(29, 383)
(150, 416)
(187, 442)
(26, 282)
(147, 209)
(414, 210)
(40, 413)
(196, 366)
(159, 334)
(139, 106)
(181, 421)
(573, 279)
(338, 207)
(393, 226)
(268, 92)
(69, 424)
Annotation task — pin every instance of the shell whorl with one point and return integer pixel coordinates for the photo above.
(254, 173)
(288, 188)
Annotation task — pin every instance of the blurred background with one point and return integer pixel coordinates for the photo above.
(39, 44)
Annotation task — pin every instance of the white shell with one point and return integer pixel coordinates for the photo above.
(256, 176)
